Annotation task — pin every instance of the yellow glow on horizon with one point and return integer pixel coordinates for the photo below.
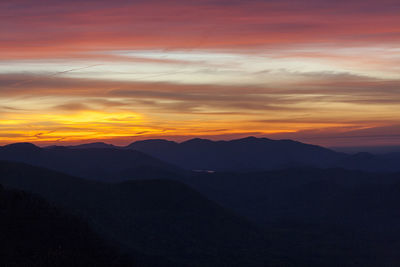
(70, 126)
(96, 125)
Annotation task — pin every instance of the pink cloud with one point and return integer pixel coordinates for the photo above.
(48, 28)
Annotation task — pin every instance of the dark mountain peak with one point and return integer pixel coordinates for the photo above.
(21, 146)
(92, 145)
(251, 139)
(152, 144)
(55, 147)
(198, 141)
(293, 144)
(152, 141)
(289, 141)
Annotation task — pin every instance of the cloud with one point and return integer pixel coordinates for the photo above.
(74, 70)
(374, 136)
(51, 28)
(71, 107)
(318, 87)
(329, 101)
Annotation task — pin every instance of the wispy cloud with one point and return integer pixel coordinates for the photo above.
(73, 70)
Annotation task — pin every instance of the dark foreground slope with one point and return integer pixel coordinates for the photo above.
(320, 212)
(309, 194)
(34, 233)
(155, 217)
(310, 217)
(315, 216)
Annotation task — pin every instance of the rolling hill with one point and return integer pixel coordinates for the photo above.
(260, 154)
(247, 154)
(87, 162)
(161, 158)
(160, 218)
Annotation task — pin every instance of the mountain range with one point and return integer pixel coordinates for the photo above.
(87, 162)
(260, 154)
(245, 202)
(161, 157)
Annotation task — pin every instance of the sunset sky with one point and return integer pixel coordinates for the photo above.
(318, 71)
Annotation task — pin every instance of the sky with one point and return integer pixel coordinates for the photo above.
(317, 71)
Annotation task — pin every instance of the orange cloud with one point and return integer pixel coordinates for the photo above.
(293, 68)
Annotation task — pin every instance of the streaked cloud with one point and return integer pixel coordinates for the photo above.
(117, 70)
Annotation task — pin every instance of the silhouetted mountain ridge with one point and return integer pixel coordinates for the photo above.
(93, 145)
(244, 154)
(21, 147)
(87, 162)
(260, 154)
(108, 162)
